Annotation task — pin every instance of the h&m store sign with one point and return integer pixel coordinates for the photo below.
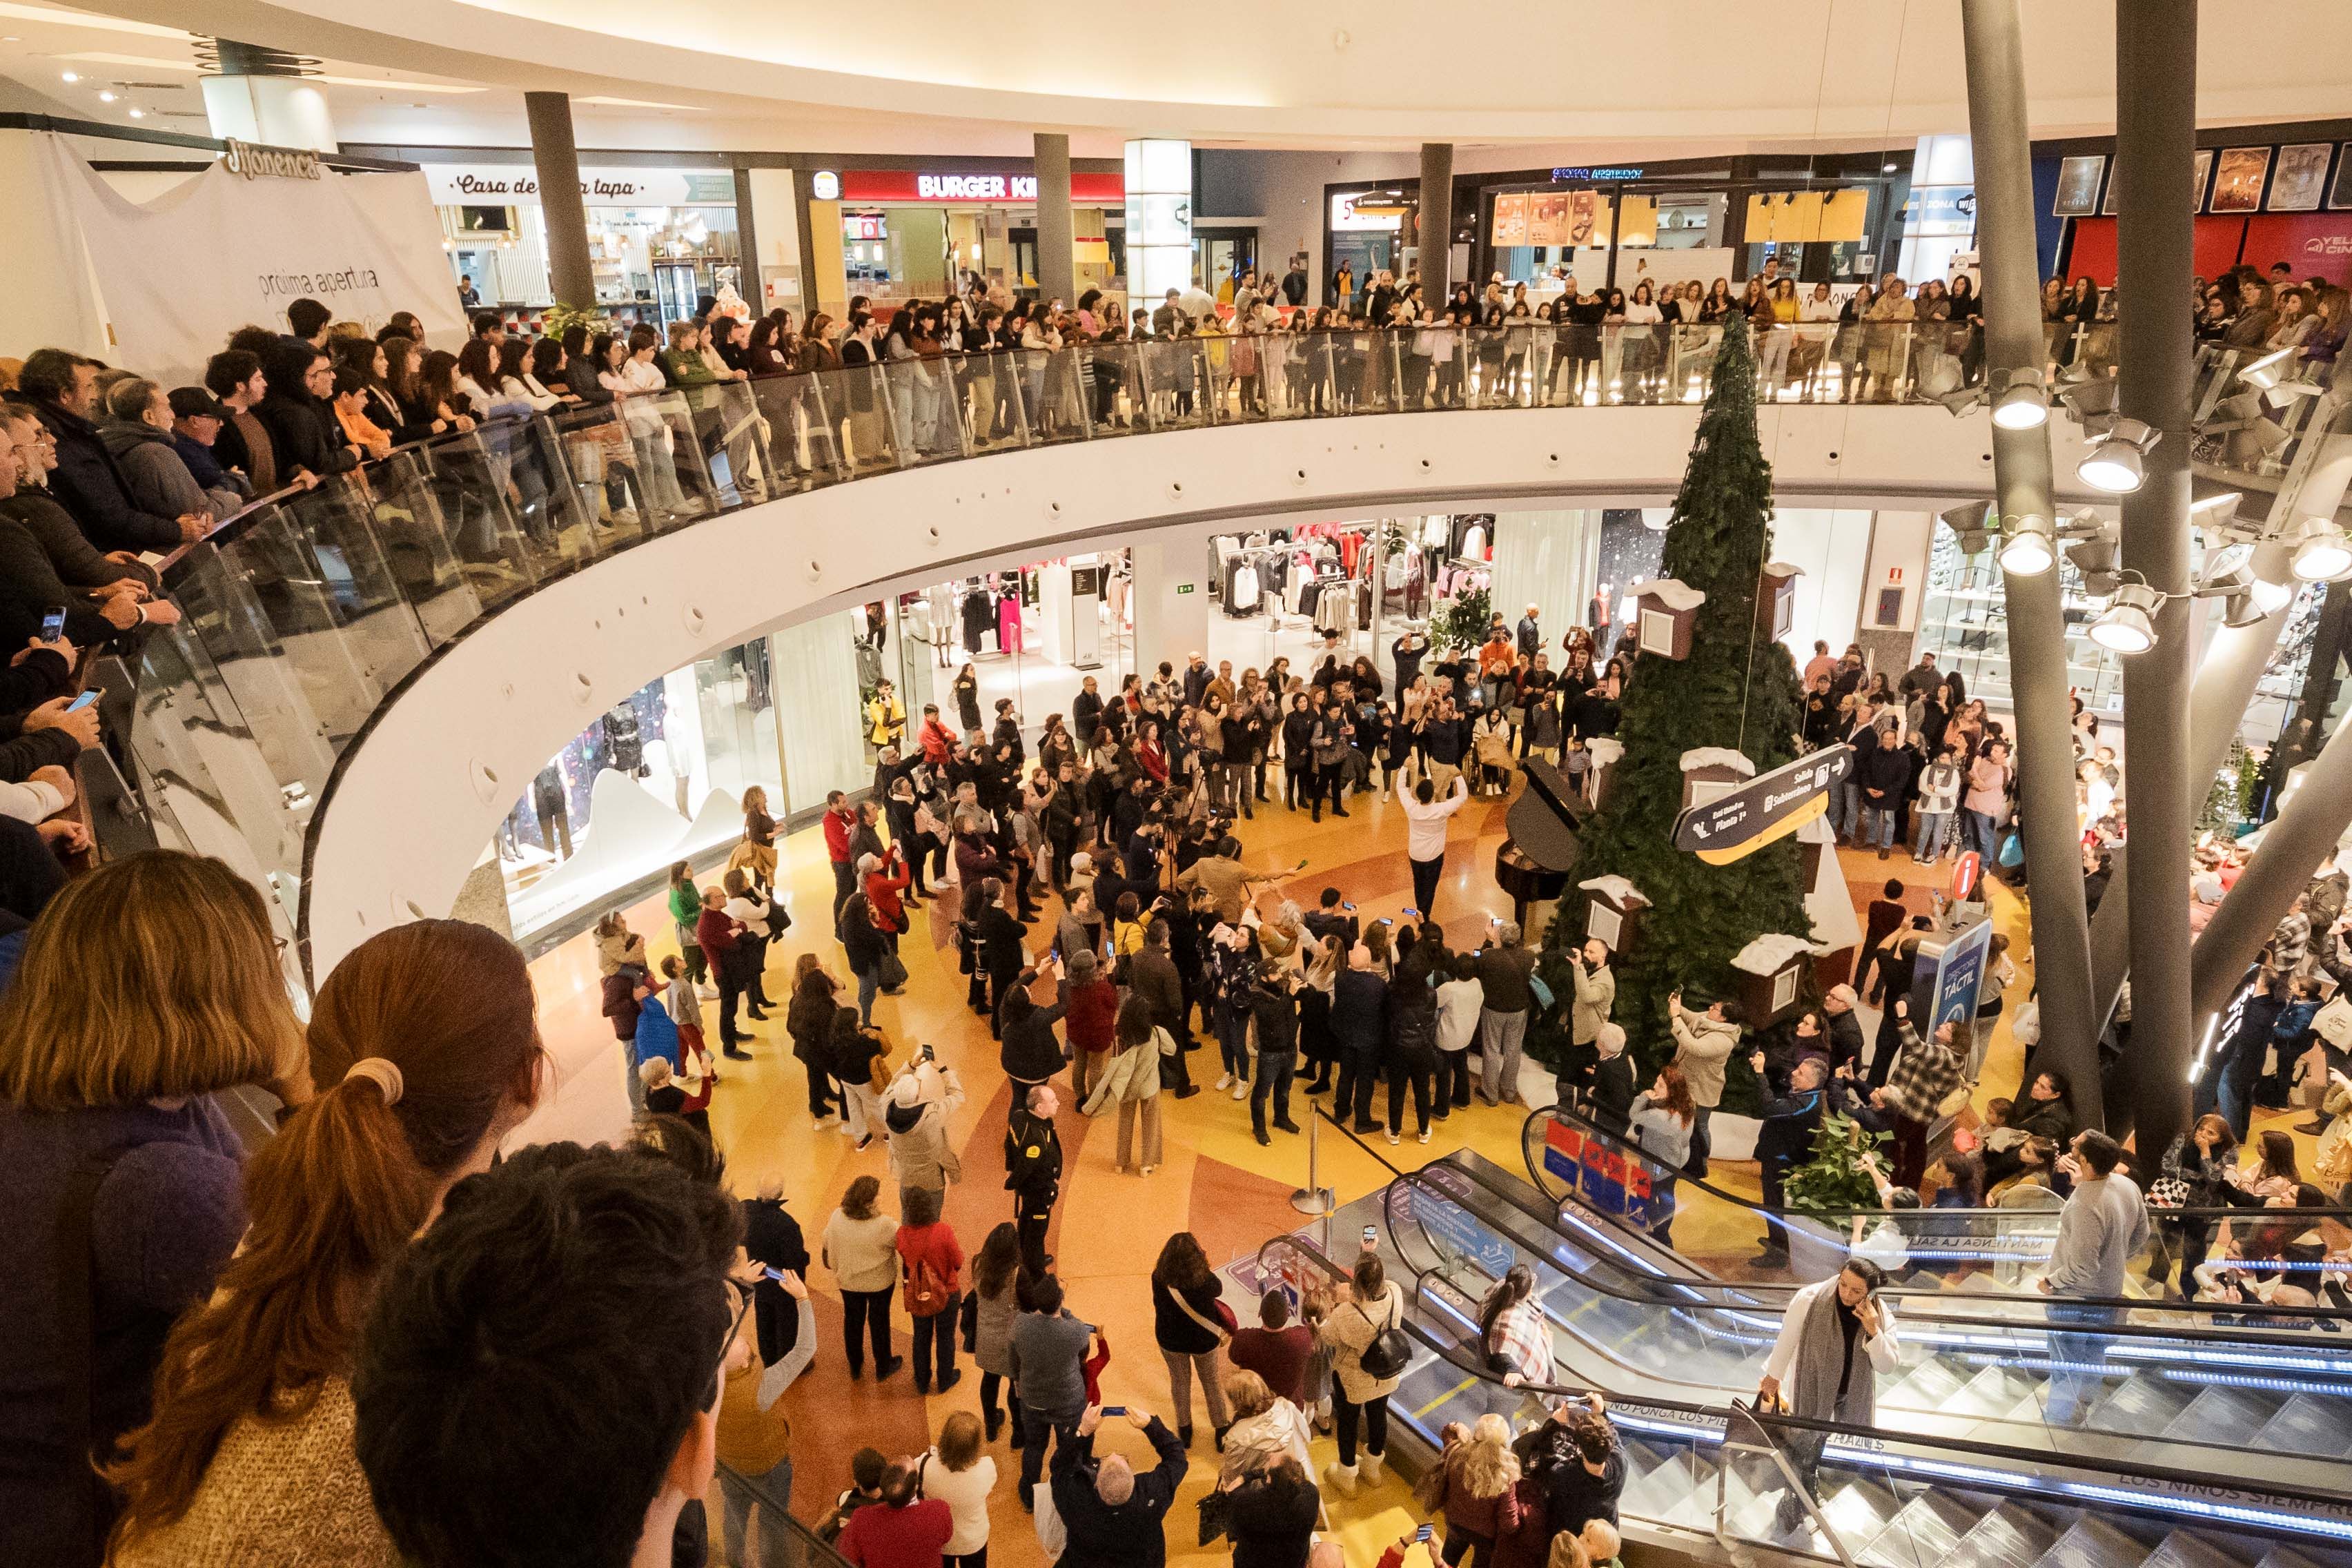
(1104, 189)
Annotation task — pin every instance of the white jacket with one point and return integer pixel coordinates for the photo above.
(1886, 1352)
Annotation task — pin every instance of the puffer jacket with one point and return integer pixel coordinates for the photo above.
(1702, 1045)
(1413, 1024)
(154, 473)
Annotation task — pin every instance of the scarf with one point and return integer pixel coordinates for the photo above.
(1828, 1385)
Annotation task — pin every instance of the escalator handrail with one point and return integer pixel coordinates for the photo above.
(1828, 1220)
(1798, 1218)
(1723, 1293)
(2033, 1460)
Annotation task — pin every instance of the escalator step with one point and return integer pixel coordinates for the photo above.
(1930, 1387)
(2093, 1544)
(2010, 1534)
(1993, 1391)
(1859, 1510)
(2140, 1404)
(2281, 1557)
(2182, 1550)
(2222, 1416)
(2307, 1424)
(1921, 1535)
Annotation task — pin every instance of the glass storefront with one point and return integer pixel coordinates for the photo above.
(657, 238)
(903, 235)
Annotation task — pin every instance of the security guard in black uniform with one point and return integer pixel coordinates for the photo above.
(1032, 1173)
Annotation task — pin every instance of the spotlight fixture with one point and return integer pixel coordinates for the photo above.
(2114, 462)
(2242, 606)
(2029, 546)
(2270, 596)
(1961, 401)
(2217, 511)
(2023, 402)
(2096, 560)
(1972, 523)
(2127, 626)
(2321, 552)
(2267, 375)
(2086, 396)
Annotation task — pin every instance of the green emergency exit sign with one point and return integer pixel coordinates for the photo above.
(1184, 587)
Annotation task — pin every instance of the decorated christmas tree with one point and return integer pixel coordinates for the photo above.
(1737, 691)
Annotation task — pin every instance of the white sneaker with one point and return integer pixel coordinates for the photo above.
(707, 993)
(1396, 1138)
(1224, 1080)
(1241, 1089)
(1424, 1134)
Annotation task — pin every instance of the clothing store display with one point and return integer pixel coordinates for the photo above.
(1008, 622)
(979, 617)
(624, 746)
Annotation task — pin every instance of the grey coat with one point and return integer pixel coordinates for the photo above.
(153, 472)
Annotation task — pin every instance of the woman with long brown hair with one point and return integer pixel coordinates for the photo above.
(426, 1040)
(1664, 1121)
(1192, 1324)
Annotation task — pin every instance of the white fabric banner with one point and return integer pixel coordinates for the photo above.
(175, 277)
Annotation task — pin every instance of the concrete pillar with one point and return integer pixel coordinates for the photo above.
(1436, 223)
(1056, 271)
(1993, 48)
(1171, 600)
(2156, 138)
(2303, 833)
(558, 157)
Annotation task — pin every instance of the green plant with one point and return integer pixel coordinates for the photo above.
(1832, 1181)
(561, 318)
(1463, 620)
(1737, 690)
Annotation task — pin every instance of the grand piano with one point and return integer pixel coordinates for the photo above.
(1540, 848)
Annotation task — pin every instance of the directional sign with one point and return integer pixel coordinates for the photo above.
(1722, 830)
(1959, 958)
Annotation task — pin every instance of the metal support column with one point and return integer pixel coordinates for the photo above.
(557, 155)
(2297, 839)
(1436, 224)
(2156, 138)
(1056, 269)
(1993, 49)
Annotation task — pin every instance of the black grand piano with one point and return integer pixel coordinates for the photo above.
(1541, 848)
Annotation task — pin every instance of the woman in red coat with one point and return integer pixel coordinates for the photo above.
(1091, 1019)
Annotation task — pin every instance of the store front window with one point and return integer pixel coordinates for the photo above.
(906, 235)
(659, 239)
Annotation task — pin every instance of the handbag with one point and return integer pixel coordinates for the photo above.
(1957, 1101)
(892, 972)
(2167, 1193)
(970, 1315)
(1540, 991)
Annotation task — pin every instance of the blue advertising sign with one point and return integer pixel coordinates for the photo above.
(1454, 1228)
(1959, 976)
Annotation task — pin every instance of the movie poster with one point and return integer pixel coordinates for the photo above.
(2302, 176)
(2238, 188)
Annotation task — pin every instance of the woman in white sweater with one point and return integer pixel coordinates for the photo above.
(1836, 1337)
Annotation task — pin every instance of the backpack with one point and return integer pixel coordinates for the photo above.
(927, 1295)
(1389, 1353)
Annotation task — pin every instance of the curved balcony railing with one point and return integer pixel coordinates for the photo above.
(303, 613)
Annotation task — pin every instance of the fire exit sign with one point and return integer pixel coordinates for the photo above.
(1184, 587)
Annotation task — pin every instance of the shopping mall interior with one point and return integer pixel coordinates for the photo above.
(782, 802)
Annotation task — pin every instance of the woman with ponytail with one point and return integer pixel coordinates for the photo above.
(425, 1048)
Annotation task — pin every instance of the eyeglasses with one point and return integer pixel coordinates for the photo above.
(719, 1372)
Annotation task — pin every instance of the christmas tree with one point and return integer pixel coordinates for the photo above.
(1737, 690)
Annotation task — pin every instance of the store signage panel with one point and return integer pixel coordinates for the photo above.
(954, 186)
(1346, 219)
(517, 185)
(1596, 172)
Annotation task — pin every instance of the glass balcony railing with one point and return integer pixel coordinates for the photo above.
(303, 613)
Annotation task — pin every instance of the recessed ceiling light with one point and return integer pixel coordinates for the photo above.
(106, 98)
(138, 113)
(1886, 168)
(70, 76)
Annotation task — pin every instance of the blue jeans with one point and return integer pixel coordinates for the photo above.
(1233, 1044)
(1934, 834)
(869, 981)
(1978, 834)
(1845, 810)
(1878, 823)
(1274, 1073)
(2063, 1401)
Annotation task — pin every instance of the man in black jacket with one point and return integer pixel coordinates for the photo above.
(1003, 949)
(1845, 1026)
(1115, 1518)
(60, 388)
(1270, 1515)
(1274, 1004)
(303, 430)
(1360, 1024)
(1333, 920)
(1784, 1141)
(1882, 774)
(1033, 1172)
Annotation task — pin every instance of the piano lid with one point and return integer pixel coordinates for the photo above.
(1542, 822)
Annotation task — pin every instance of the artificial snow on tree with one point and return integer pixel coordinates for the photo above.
(1737, 690)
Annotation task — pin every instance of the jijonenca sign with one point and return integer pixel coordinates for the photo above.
(255, 163)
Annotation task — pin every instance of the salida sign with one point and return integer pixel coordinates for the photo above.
(1725, 830)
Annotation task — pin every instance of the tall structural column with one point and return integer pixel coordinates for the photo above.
(1056, 272)
(2303, 834)
(558, 157)
(2156, 139)
(2235, 658)
(1436, 221)
(1993, 49)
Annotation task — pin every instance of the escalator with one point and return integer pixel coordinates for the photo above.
(2186, 1423)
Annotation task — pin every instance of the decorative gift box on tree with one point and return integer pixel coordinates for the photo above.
(1614, 914)
(1776, 600)
(1773, 972)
